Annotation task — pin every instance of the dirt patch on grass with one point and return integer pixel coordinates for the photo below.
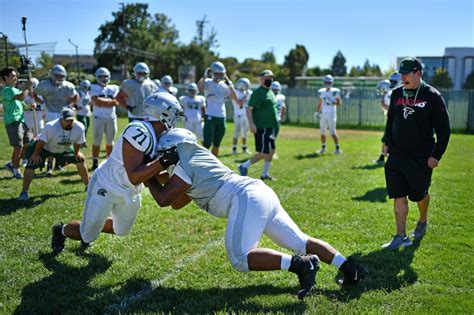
(303, 132)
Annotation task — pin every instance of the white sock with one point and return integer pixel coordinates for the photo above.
(285, 261)
(338, 260)
(266, 168)
(247, 164)
(15, 171)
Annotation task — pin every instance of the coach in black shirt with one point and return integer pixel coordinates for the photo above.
(417, 111)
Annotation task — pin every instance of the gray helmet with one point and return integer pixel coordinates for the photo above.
(242, 83)
(173, 137)
(141, 67)
(167, 79)
(383, 87)
(102, 75)
(157, 82)
(328, 79)
(163, 107)
(192, 87)
(85, 84)
(58, 70)
(276, 86)
(34, 83)
(395, 79)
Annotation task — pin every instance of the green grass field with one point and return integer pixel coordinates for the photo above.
(175, 261)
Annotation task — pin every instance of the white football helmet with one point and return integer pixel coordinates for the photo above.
(395, 79)
(85, 84)
(218, 70)
(34, 83)
(58, 74)
(383, 87)
(157, 82)
(192, 89)
(167, 79)
(328, 79)
(276, 86)
(171, 138)
(141, 71)
(102, 76)
(162, 107)
(243, 84)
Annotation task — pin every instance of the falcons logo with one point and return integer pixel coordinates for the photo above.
(407, 111)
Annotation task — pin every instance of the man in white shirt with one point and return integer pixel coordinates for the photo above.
(104, 99)
(133, 92)
(62, 139)
(329, 100)
(116, 186)
(241, 123)
(194, 108)
(216, 91)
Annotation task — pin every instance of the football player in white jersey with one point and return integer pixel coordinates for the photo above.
(115, 187)
(384, 89)
(194, 108)
(104, 98)
(167, 85)
(133, 92)
(252, 209)
(216, 90)
(83, 104)
(241, 123)
(329, 100)
(33, 108)
(281, 108)
(56, 94)
(62, 139)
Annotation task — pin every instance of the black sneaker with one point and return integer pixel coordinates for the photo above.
(95, 164)
(266, 177)
(306, 268)
(58, 239)
(353, 272)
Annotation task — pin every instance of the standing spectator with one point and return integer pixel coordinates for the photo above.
(56, 93)
(216, 91)
(194, 109)
(31, 109)
(329, 99)
(241, 123)
(167, 85)
(57, 139)
(281, 106)
(103, 97)
(384, 88)
(417, 112)
(19, 135)
(263, 118)
(83, 105)
(133, 92)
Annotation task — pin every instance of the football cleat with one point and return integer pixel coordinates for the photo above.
(243, 170)
(57, 239)
(306, 268)
(353, 272)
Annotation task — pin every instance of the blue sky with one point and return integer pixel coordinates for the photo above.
(366, 29)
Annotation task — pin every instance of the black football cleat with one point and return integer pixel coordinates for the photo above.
(353, 272)
(306, 268)
(58, 239)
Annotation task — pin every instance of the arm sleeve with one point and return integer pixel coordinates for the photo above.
(441, 126)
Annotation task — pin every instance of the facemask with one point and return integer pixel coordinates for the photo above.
(268, 82)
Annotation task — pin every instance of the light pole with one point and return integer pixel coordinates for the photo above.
(77, 62)
(6, 48)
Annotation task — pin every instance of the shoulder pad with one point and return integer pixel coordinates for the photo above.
(139, 136)
(175, 136)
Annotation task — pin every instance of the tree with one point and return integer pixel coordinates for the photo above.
(296, 61)
(356, 71)
(314, 72)
(44, 63)
(441, 79)
(268, 57)
(469, 83)
(338, 67)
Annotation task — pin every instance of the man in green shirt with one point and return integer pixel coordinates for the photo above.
(262, 114)
(18, 132)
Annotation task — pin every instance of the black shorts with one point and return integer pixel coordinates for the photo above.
(407, 176)
(264, 140)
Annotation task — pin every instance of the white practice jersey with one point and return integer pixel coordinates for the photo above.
(137, 92)
(59, 140)
(192, 107)
(55, 97)
(108, 91)
(241, 95)
(216, 94)
(111, 173)
(329, 99)
(386, 97)
(83, 103)
(280, 98)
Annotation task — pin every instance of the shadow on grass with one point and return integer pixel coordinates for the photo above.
(208, 301)
(374, 195)
(307, 156)
(388, 271)
(371, 166)
(68, 181)
(11, 205)
(67, 289)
